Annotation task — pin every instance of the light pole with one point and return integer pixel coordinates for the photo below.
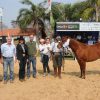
(1, 15)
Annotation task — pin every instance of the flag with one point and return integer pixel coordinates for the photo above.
(49, 6)
(1, 12)
(49, 3)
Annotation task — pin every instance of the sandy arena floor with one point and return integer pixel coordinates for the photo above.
(70, 87)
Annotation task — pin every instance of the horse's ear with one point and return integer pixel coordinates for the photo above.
(66, 37)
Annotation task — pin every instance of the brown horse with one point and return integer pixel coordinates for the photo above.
(83, 52)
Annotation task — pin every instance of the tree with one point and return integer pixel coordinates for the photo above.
(34, 16)
(77, 10)
(58, 11)
(93, 10)
(68, 12)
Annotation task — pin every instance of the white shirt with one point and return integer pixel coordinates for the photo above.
(8, 50)
(41, 47)
(45, 49)
(54, 47)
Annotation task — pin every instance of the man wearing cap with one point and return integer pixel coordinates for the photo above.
(57, 57)
(32, 52)
(8, 51)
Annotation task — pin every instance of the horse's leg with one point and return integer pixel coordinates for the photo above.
(80, 64)
(81, 72)
(82, 68)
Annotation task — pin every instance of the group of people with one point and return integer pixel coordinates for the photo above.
(26, 53)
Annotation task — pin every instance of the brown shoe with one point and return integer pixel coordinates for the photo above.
(5, 81)
(11, 81)
(21, 80)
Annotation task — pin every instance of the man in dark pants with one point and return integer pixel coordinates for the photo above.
(57, 57)
(22, 55)
(32, 52)
(45, 64)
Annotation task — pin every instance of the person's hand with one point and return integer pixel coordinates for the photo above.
(15, 60)
(18, 61)
(27, 60)
(48, 48)
(42, 50)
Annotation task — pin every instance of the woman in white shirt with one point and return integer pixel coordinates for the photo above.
(41, 48)
(45, 50)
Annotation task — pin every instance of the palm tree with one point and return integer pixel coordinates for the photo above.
(58, 11)
(68, 12)
(93, 9)
(34, 16)
(76, 11)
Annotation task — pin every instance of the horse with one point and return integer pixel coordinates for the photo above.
(83, 52)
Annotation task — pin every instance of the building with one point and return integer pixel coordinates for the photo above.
(86, 32)
(15, 33)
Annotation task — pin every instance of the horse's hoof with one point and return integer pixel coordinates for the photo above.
(83, 77)
(80, 76)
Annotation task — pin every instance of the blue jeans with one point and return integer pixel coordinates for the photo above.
(8, 62)
(32, 60)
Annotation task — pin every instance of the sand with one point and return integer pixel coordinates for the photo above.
(70, 87)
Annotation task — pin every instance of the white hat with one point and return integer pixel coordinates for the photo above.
(42, 40)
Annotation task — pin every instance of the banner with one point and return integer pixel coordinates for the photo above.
(1, 12)
(78, 26)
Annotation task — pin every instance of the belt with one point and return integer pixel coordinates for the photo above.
(7, 57)
(54, 53)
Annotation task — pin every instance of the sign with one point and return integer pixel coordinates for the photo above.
(91, 26)
(78, 26)
(67, 26)
(1, 12)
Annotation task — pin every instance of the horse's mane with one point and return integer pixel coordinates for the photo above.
(82, 44)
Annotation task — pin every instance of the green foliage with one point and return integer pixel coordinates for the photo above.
(87, 14)
(35, 15)
(86, 10)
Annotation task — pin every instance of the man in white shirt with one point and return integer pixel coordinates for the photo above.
(8, 52)
(57, 57)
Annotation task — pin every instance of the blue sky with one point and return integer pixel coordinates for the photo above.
(11, 8)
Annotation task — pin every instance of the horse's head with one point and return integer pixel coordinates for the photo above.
(64, 38)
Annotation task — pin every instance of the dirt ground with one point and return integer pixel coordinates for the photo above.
(70, 87)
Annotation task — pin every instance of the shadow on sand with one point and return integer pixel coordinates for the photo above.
(78, 73)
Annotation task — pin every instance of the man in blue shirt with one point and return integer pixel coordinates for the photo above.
(8, 52)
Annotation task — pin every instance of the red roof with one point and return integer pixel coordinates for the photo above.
(14, 32)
